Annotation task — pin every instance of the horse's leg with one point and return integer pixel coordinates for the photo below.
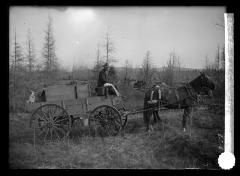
(190, 120)
(157, 116)
(185, 117)
(146, 117)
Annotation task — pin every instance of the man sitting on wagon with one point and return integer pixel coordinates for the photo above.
(103, 84)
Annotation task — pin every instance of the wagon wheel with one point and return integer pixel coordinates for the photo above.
(105, 120)
(124, 120)
(122, 109)
(50, 122)
(124, 117)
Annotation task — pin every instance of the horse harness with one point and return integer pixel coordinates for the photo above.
(191, 94)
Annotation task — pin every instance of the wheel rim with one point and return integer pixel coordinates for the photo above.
(50, 122)
(105, 121)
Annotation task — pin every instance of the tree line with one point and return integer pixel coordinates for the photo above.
(27, 72)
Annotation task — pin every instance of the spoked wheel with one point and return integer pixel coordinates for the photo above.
(50, 122)
(105, 121)
(123, 112)
(124, 117)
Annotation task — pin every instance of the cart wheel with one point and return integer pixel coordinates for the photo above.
(50, 122)
(122, 109)
(124, 120)
(105, 120)
(124, 117)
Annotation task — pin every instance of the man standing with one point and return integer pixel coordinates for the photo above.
(151, 105)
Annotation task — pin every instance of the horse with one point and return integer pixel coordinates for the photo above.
(182, 97)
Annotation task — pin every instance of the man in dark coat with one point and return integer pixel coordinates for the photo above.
(103, 75)
(103, 79)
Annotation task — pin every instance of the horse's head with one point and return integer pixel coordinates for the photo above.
(203, 82)
(206, 83)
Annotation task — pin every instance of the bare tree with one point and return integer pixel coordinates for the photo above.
(206, 62)
(147, 69)
(98, 63)
(16, 61)
(109, 49)
(30, 56)
(49, 54)
(223, 58)
(126, 72)
(109, 56)
(217, 58)
(17, 57)
(171, 67)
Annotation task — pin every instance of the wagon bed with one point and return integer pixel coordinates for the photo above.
(65, 103)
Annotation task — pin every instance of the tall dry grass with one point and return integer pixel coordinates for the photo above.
(167, 147)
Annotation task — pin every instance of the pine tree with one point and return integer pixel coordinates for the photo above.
(110, 49)
(49, 53)
(98, 64)
(30, 52)
(16, 61)
(147, 69)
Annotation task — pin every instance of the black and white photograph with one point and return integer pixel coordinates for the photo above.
(117, 87)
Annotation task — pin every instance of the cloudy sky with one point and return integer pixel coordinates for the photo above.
(189, 31)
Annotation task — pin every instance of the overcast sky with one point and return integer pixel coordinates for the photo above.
(189, 31)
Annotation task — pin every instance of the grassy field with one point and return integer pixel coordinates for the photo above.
(167, 147)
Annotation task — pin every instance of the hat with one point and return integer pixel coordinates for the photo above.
(106, 65)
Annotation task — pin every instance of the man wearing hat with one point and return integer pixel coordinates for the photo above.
(103, 81)
(103, 75)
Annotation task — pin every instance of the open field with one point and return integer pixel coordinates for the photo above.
(164, 148)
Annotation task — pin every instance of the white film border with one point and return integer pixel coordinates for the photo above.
(227, 160)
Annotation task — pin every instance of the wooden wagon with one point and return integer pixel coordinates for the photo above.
(53, 115)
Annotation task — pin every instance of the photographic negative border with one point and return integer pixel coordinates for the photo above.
(227, 159)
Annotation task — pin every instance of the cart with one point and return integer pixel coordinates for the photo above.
(53, 116)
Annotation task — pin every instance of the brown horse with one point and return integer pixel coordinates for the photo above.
(183, 97)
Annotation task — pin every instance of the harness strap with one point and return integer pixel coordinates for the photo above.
(190, 91)
(151, 101)
(159, 94)
(151, 95)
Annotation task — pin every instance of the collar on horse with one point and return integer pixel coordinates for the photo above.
(191, 92)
